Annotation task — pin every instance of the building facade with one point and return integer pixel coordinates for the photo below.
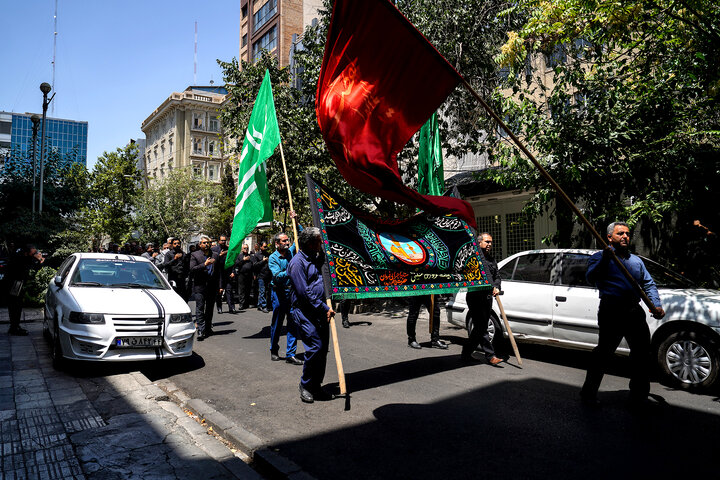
(184, 131)
(66, 137)
(270, 25)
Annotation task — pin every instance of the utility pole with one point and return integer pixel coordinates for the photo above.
(45, 89)
(36, 123)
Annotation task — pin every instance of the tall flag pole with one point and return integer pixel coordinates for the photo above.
(431, 179)
(252, 202)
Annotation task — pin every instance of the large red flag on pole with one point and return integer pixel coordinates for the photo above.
(380, 81)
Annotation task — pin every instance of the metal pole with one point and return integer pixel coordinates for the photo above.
(45, 89)
(36, 123)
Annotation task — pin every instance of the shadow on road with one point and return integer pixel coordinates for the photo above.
(524, 429)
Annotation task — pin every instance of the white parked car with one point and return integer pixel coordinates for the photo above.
(112, 307)
(547, 300)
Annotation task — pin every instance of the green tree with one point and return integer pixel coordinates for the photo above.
(629, 124)
(222, 209)
(113, 188)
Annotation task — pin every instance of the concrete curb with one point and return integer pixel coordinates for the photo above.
(264, 458)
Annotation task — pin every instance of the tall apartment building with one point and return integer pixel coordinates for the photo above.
(67, 137)
(184, 131)
(270, 25)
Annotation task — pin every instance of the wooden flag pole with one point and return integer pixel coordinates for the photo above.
(560, 192)
(336, 351)
(287, 184)
(507, 326)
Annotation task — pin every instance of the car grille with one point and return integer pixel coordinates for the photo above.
(139, 325)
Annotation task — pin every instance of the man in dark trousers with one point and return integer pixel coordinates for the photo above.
(18, 271)
(176, 268)
(620, 315)
(310, 312)
(480, 305)
(280, 286)
(263, 275)
(415, 303)
(203, 270)
(244, 272)
(226, 276)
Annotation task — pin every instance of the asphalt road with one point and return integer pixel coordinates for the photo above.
(424, 414)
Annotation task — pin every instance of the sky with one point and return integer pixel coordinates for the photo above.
(116, 61)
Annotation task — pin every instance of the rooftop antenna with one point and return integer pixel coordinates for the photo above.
(52, 111)
(195, 59)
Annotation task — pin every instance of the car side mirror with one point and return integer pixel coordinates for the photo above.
(58, 280)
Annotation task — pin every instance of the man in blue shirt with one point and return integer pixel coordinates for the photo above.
(620, 315)
(280, 293)
(310, 312)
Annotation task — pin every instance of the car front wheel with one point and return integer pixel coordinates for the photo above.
(689, 360)
(56, 354)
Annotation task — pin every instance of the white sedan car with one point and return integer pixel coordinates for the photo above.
(548, 300)
(103, 306)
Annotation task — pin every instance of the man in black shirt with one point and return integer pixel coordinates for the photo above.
(480, 306)
(205, 285)
(244, 273)
(176, 268)
(18, 271)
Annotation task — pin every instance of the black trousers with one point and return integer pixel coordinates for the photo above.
(479, 305)
(415, 303)
(15, 308)
(244, 287)
(618, 319)
(229, 296)
(204, 303)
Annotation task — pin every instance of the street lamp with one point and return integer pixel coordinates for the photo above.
(36, 123)
(45, 89)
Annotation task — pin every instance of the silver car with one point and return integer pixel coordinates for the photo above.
(547, 300)
(112, 307)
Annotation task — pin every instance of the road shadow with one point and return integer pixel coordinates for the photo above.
(524, 429)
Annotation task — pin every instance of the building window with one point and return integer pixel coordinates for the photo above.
(213, 171)
(197, 170)
(264, 14)
(214, 124)
(170, 145)
(197, 146)
(267, 42)
(198, 121)
(244, 40)
(244, 11)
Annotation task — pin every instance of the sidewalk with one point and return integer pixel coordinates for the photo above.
(98, 421)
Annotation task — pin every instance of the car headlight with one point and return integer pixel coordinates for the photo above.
(181, 318)
(87, 318)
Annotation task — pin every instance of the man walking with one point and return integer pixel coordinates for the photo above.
(415, 303)
(205, 285)
(310, 312)
(226, 276)
(280, 285)
(18, 271)
(620, 315)
(480, 305)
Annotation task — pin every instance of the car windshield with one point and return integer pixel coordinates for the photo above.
(666, 278)
(114, 273)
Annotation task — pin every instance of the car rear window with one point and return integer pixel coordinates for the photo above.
(533, 267)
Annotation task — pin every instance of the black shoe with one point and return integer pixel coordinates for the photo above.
(345, 323)
(201, 337)
(439, 344)
(414, 344)
(265, 310)
(19, 331)
(294, 360)
(274, 357)
(208, 332)
(305, 395)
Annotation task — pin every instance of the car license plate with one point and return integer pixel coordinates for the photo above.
(138, 342)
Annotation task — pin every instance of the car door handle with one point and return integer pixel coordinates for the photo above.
(561, 299)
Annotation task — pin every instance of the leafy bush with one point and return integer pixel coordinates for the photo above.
(36, 286)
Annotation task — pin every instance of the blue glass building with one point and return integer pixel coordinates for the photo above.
(67, 137)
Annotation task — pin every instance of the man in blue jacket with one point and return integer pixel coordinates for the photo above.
(310, 312)
(280, 293)
(620, 315)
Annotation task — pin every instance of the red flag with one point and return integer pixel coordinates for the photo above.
(380, 81)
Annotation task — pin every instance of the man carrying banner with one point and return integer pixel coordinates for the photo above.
(480, 306)
(310, 312)
(280, 285)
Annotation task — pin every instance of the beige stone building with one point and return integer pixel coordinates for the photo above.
(270, 25)
(184, 131)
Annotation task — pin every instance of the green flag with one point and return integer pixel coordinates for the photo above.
(430, 161)
(252, 203)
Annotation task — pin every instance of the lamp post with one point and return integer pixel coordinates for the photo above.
(45, 89)
(36, 123)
